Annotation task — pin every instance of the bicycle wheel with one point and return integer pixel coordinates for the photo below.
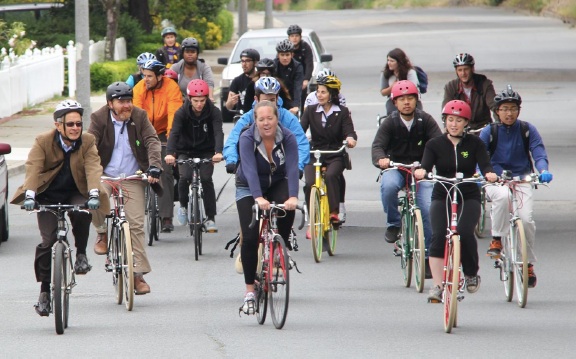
(201, 219)
(507, 269)
(520, 261)
(481, 225)
(261, 287)
(59, 286)
(115, 257)
(152, 218)
(418, 250)
(316, 227)
(127, 265)
(330, 237)
(196, 223)
(279, 282)
(451, 282)
(406, 250)
(70, 282)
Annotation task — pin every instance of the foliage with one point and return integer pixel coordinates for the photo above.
(130, 29)
(225, 21)
(13, 37)
(213, 36)
(210, 9)
(103, 74)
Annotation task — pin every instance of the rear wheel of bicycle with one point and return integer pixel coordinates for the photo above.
(481, 225)
(127, 265)
(507, 269)
(331, 236)
(520, 261)
(261, 287)
(196, 224)
(316, 228)
(405, 250)
(418, 250)
(152, 218)
(59, 287)
(115, 258)
(451, 282)
(279, 282)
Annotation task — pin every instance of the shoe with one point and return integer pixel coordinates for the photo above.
(182, 216)
(435, 294)
(472, 283)
(391, 234)
(427, 271)
(167, 225)
(140, 285)
(101, 246)
(342, 214)
(81, 266)
(531, 276)
(335, 219)
(308, 234)
(43, 305)
(249, 306)
(495, 249)
(210, 226)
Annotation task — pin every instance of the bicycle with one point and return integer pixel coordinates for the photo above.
(410, 246)
(480, 229)
(63, 276)
(196, 213)
(321, 229)
(513, 258)
(119, 258)
(153, 220)
(274, 263)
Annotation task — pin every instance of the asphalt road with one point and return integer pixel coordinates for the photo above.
(353, 304)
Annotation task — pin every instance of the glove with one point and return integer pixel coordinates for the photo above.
(231, 168)
(154, 171)
(545, 177)
(93, 203)
(29, 204)
(300, 174)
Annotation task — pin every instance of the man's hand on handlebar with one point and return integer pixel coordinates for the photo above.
(420, 173)
(384, 163)
(170, 160)
(350, 142)
(217, 157)
(263, 203)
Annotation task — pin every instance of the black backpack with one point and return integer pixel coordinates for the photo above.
(524, 130)
(422, 79)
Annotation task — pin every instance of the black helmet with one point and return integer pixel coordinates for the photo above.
(294, 29)
(251, 53)
(507, 95)
(119, 90)
(463, 59)
(265, 64)
(285, 46)
(67, 106)
(155, 66)
(190, 43)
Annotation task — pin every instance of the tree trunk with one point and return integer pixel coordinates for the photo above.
(112, 8)
(139, 10)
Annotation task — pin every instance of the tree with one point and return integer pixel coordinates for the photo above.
(140, 11)
(112, 8)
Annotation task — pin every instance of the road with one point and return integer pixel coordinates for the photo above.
(351, 305)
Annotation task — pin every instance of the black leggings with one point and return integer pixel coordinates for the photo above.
(469, 212)
(278, 193)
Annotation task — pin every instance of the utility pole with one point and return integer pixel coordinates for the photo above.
(83, 63)
(242, 17)
(268, 19)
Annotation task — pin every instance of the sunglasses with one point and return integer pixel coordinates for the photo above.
(73, 124)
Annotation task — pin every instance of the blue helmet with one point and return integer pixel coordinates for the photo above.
(155, 66)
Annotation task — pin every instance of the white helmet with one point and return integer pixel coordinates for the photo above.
(67, 106)
(324, 72)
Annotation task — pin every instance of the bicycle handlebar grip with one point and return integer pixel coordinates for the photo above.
(304, 216)
(254, 211)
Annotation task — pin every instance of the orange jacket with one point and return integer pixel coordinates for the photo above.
(161, 103)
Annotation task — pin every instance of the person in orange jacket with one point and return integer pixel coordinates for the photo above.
(160, 98)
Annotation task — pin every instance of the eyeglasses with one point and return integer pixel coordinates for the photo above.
(246, 61)
(509, 109)
(73, 124)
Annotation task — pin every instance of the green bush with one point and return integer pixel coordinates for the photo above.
(146, 47)
(213, 36)
(225, 20)
(130, 29)
(103, 74)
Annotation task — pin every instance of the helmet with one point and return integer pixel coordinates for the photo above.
(331, 82)
(507, 95)
(463, 59)
(67, 106)
(294, 29)
(267, 85)
(190, 43)
(285, 46)
(265, 64)
(143, 57)
(171, 74)
(119, 90)
(169, 30)
(251, 53)
(324, 72)
(197, 88)
(155, 66)
(457, 108)
(403, 88)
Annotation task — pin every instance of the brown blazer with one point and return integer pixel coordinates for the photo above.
(45, 161)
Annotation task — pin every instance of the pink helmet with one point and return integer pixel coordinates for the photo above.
(457, 108)
(171, 74)
(197, 88)
(403, 88)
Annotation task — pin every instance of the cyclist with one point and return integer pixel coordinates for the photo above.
(451, 153)
(267, 88)
(474, 89)
(62, 167)
(191, 67)
(140, 61)
(267, 173)
(237, 96)
(169, 73)
(127, 142)
(160, 99)
(289, 71)
(329, 124)
(398, 68)
(197, 132)
(303, 54)
(511, 154)
(169, 53)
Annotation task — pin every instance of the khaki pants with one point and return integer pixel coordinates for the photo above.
(134, 208)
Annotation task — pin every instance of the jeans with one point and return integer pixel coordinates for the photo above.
(391, 183)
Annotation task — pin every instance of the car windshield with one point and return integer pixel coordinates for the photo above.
(266, 47)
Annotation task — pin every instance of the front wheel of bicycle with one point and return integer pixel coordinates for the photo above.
(316, 227)
(520, 261)
(507, 274)
(196, 224)
(69, 280)
(115, 260)
(127, 265)
(152, 218)
(405, 250)
(279, 282)
(451, 281)
(59, 287)
(418, 250)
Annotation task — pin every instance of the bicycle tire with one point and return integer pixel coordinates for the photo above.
(197, 225)
(316, 225)
(152, 219)
(127, 265)
(481, 225)
(331, 237)
(406, 262)
(115, 257)
(201, 219)
(507, 269)
(59, 287)
(279, 282)
(261, 287)
(418, 250)
(69, 279)
(520, 262)
(451, 282)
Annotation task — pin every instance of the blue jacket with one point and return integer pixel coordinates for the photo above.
(510, 154)
(287, 120)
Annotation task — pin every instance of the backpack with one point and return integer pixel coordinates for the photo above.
(524, 130)
(422, 79)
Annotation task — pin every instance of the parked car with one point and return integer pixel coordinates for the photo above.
(4, 149)
(264, 41)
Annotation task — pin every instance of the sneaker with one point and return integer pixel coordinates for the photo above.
(249, 306)
(140, 285)
(167, 225)
(391, 234)
(81, 266)
(211, 226)
(435, 295)
(427, 271)
(342, 214)
(182, 216)
(495, 248)
(472, 283)
(531, 276)
(43, 305)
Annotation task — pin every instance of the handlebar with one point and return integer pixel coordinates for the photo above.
(274, 206)
(458, 179)
(415, 164)
(138, 176)
(194, 160)
(478, 130)
(344, 145)
(59, 208)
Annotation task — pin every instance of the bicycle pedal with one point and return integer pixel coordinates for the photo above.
(460, 298)
(434, 301)
(498, 264)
